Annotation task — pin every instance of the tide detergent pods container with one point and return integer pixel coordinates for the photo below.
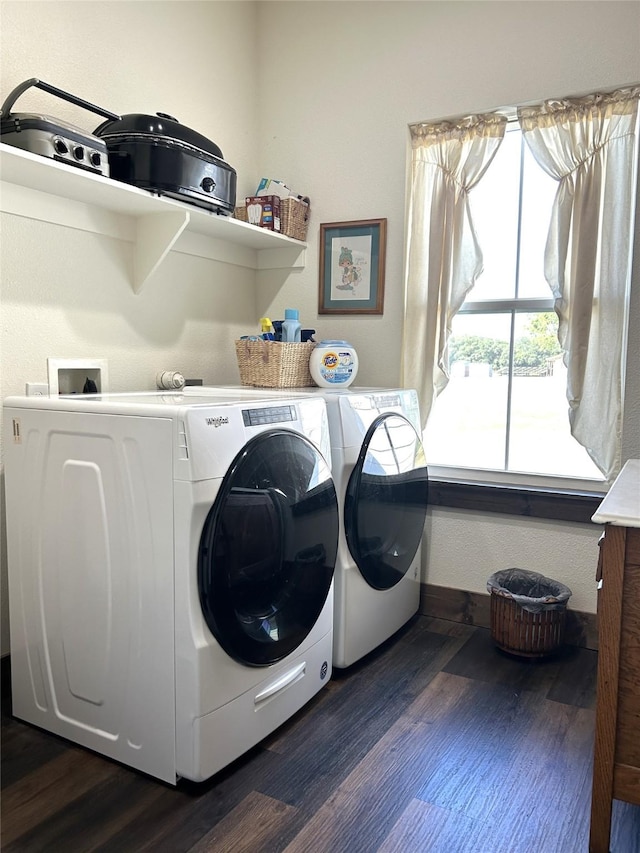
(333, 364)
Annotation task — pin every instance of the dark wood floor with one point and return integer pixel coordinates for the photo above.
(436, 742)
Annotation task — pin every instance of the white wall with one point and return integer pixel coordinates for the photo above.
(67, 293)
(335, 128)
(318, 94)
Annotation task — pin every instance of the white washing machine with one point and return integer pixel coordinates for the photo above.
(170, 570)
(381, 479)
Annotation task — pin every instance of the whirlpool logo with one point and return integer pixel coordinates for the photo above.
(216, 422)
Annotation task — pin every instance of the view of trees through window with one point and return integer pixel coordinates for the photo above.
(505, 407)
(533, 354)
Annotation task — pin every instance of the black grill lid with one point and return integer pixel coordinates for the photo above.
(161, 126)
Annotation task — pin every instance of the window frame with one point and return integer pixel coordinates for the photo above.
(557, 503)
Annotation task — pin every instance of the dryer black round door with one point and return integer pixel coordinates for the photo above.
(268, 548)
(385, 504)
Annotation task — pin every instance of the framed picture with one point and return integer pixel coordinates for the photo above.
(352, 259)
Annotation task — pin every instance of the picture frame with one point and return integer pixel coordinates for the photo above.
(352, 267)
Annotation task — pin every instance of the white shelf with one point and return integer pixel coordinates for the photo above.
(40, 188)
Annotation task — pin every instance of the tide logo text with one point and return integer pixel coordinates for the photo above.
(216, 422)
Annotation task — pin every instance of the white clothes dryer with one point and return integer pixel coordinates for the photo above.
(171, 566)
(381, 478)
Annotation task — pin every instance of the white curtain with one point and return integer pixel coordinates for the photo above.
(589, 146)
(443, 256)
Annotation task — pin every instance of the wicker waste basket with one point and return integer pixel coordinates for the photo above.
(271, 364)
(528, 612)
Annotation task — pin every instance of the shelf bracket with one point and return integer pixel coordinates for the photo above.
(155, 237)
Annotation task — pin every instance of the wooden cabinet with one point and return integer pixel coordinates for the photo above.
(616, 769)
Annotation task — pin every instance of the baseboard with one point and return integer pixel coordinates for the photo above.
(473, 608)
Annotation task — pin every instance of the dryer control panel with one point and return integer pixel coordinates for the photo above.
(269, 415)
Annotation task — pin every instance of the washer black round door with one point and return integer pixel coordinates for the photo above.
(385, 504)
(268, 548)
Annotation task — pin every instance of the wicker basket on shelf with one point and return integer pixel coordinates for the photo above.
(271, 364)
(294, 217)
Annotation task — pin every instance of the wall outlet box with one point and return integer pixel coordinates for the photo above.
(75, 375)
(36, 389)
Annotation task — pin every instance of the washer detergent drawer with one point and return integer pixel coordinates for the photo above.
(89, 506)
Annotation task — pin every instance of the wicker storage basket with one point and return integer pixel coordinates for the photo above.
(294, 217)
(270, 364)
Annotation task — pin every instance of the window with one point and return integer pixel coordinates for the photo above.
(489, 325)
(505, 407)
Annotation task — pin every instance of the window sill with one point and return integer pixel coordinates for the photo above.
(561, 505)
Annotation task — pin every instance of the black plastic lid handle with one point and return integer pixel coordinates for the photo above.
(13, 96)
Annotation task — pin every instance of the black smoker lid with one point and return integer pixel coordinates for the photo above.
(161, 126)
